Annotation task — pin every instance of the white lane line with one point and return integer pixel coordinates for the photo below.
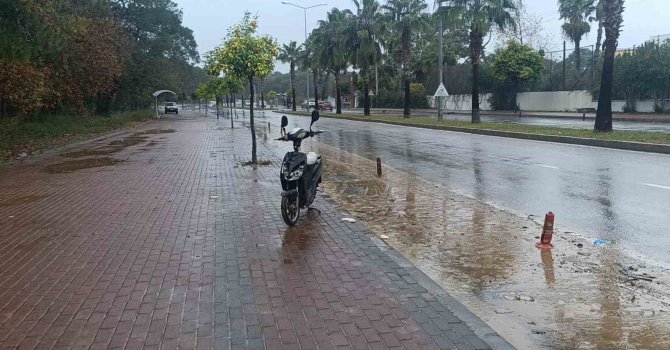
(524, 162)
(658, 186)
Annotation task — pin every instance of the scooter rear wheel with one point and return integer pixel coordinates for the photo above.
(290, 209)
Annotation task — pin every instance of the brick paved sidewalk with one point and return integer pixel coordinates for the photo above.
(164, 240)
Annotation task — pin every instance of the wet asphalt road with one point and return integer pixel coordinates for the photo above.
(570, 123)
(620, 196)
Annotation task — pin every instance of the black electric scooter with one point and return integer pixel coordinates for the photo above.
(300, 173)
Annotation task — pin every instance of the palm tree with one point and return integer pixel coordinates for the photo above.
(599, 18)
(330, 46)
(479, 16)
(405, 16)
(289, 53)
(577, 14)
(363, 39)
(307, 60)
(612, 17)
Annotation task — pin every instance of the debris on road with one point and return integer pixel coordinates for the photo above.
(601, 242)
(384, 237)
(349, 220)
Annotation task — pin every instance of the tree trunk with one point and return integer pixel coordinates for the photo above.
(254, 160)
(599, 38)
(578, 55)
(366, 96)
(407, 105)
(217, 107)
(612, 14)
(293, 86)
(324, 85)
(338, 93)
(604, 113)
(476, 42)
(406, 71)
(230, 112)
(315, 73)
(262, 95)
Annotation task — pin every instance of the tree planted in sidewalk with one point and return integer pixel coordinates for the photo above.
(612, 20)
(245, 54)
(479, 16)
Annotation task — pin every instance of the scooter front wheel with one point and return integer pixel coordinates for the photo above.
(290, 209)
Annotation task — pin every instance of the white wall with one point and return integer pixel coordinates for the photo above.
(555, 101)
(462, 102)
(552, 101)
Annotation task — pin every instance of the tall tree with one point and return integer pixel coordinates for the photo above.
(289, 54)
(516, 64)
(405, 16)
(577, 14)
(307, 61)
(612, 20)
(363, 39)
(245, 55)
(331, 50)
(479, 16)
(599, 18)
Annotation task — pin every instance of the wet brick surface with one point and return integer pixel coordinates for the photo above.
(178, 245)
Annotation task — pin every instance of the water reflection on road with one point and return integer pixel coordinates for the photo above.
(565, 298)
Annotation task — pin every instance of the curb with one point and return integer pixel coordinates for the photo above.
(533, 114)
(621, 145)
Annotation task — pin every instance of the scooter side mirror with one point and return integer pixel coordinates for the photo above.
(284, 122)
(315, 117)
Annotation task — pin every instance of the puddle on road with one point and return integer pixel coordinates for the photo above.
(79, 164)
(21, 200)
(566, 298)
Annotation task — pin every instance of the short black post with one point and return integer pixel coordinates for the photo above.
(379, 166)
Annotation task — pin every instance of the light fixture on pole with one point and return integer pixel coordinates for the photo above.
(305, 8)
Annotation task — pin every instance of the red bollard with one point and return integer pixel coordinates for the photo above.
(379, 166)
(547, 232)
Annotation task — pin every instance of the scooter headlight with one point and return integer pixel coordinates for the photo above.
(296, 174)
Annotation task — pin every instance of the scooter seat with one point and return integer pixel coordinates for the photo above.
(312, 158)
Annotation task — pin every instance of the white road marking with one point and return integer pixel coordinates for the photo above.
(524, 162)
(658, 186)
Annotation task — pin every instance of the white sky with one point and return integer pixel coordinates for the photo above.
(210, 19)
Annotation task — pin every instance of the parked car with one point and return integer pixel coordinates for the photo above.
(171, 107)
(325, 106)
(304, 104)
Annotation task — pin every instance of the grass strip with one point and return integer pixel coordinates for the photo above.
(48, 131)
(623, 135)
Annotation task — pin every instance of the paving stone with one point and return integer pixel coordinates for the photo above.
(181, 245)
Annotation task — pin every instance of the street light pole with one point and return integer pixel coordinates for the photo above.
(304, 9)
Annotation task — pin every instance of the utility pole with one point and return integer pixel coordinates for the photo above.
(440, 64)
(304, 9)
(564, 74)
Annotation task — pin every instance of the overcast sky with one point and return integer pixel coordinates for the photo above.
(210, 19)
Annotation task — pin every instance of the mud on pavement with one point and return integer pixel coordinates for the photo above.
(577, 295)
